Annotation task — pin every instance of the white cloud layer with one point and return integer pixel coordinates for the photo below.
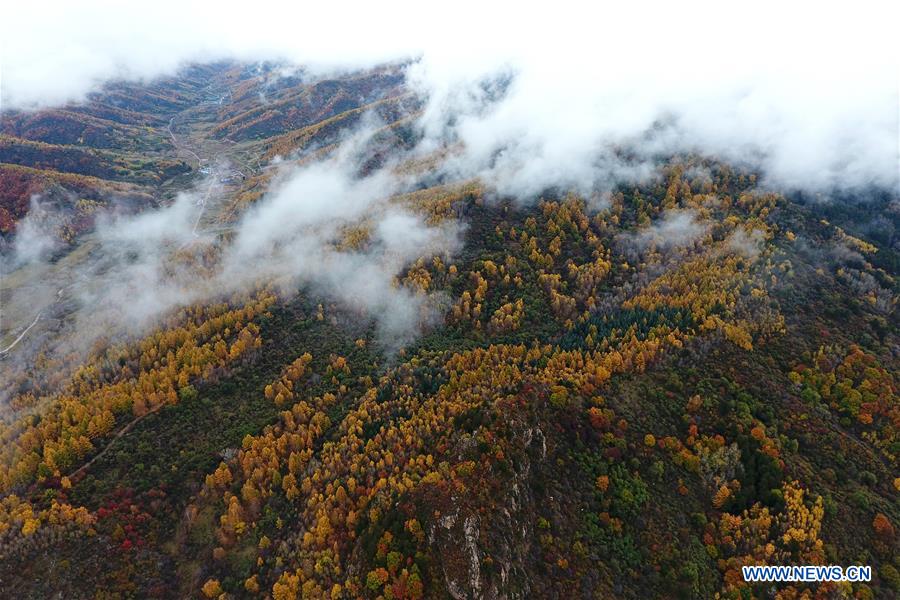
(808, 90)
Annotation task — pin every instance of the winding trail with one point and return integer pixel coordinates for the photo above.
(180, 147)
(202, 204)
(5, 351)
(118, 435)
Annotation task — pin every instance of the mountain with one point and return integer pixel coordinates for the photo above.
(628, 394)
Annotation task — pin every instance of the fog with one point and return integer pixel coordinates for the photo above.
(35, 237)
(673, 229)
(295, 234)
(806, 92)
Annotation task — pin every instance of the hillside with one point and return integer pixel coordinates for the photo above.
(619, 395)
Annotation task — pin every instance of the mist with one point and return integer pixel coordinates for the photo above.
(295, 235)
(35, 240)
(806, 93)
(674, 229)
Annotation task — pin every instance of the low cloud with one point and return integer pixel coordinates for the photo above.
(36, 236)
(673, 229)
(747, 243)
(294, 235)
(573, 96)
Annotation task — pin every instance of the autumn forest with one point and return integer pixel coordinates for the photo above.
(626, 391)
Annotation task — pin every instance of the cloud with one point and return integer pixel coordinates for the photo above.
(674, 229)
(295, 234)
(746, 243)
(807, 92)
(35, 236)
(132, 276)
(829, 121)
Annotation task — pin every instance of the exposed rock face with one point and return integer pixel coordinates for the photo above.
(485, 551)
